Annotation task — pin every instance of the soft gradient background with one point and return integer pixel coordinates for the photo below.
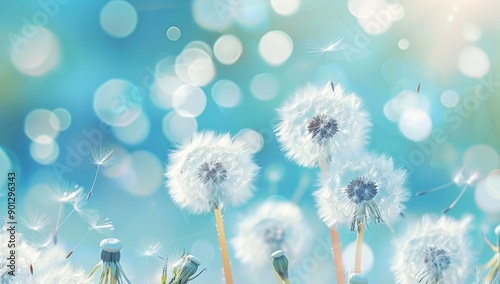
(56, 56)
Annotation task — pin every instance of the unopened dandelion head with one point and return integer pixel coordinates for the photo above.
(184, 269)
(361, 188)
(280, 264)
(275, 225)
(209, 171)
(435, 250)
(112, 270)
(317, 123)
(357, 279)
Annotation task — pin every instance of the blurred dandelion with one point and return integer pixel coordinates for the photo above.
(112, 271)
(275, 225)
(321, 123)
(184, 269)
(280, 264)
(493, 264)
(208, 172)
(434, 250)
(105, 227)
(359, 189)
(101, 158)
(464, 178)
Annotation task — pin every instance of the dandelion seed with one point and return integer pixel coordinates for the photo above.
(435, 250)
(105, 227)
(64, 274)
(149, 249)
(112, 271)
(184, 269)
(208, 172)
(418, 89)
(321, 123)
(275, 225)
(35, 222)
(464, 178)
(280, 264)
(317, 49)
(357, 279)
(99, 157)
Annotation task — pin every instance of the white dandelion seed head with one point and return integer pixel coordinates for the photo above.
(209, 171)
(361, 188)
(150, 247)
(26, 256)
(317, 123)
(274, 226)
(434, 250)
(65, 274)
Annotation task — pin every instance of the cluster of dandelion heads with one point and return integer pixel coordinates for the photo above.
(210, 170)
(362, 188)
(434, 250)
(275, 225)
(321, 123)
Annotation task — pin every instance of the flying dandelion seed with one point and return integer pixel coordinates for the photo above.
(184, 269)
(434, 250)
(317, 49)
(275, 225)
(321, 123)
(493, 264)
(208, 172)
(112, 271)
(149, 249)
(101, 158)
(105, 227)
(464, 178)
(35, 222)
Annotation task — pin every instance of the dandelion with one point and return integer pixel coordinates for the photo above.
(101, 158)
(184, 269)
(494, 262)
(464, 178)
(105, 227)
(280, 264)
(275, 225)
(208, 172)
(435, 250)
(365, 188)
(64, 274)
(112, 271)
(321, 123)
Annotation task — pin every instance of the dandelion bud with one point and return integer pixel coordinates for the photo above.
(280, 263)
(185, 268)
(357, 279)
(112, 270)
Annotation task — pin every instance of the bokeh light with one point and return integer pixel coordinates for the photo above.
(449, 98)
(485, 200)
(44, 153)
(204, 250)
(367, 257)
(415, 124)
(134, 133)
(214, 16)
(118, 102)
(481, 157)
(178, 128)
(189, 100)
(285, 7)
(251, 13)
(275, 47)
(173, 33)
(265, 86)
(195, 66)
(403, 101)
(38, 54)
(403, 44)
(38, 126)
(118, 18)
(228, 49)
(226, 93)
(473, 62)
(143, 176)
(4, 170)
(493, 184)
(472, 32)
(252, 138)
(60, 119)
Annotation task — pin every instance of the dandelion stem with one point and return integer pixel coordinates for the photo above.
(334, 234)
(455, 201)
(434, 189)
(79, 242)
(287, 281)
(93, 183)
(359, 248)
(223, 246)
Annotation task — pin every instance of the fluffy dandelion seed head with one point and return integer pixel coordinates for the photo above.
(359, 188)
(275, 225)
(211, 170)
(434, 250)
(64, 274)
(317, 123)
